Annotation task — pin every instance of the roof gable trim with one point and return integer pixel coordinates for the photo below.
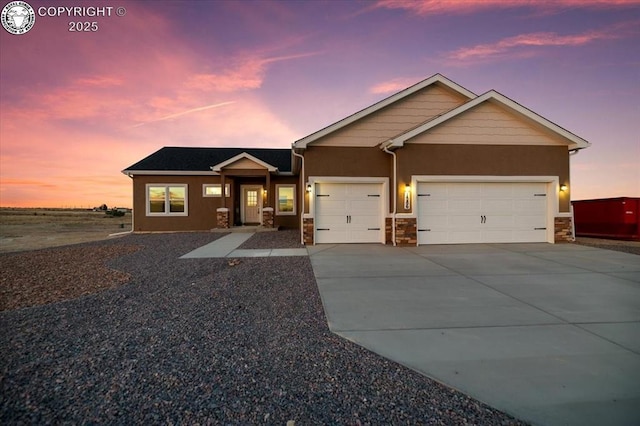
(577, 142)
(437, 78)
(218, 167)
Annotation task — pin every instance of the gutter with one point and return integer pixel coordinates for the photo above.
(395, 196)
(302, 189)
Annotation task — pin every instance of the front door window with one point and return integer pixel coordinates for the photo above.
(251, 204)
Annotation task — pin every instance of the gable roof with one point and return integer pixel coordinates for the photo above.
(437, 78)
(576, 141)
(243, 155)
(187, 160)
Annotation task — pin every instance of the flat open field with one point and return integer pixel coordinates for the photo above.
(31, 229)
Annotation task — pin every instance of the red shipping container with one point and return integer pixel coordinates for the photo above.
(617, 218)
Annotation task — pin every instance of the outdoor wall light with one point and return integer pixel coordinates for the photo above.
(309, 188)
(563, 187)
(407, 197)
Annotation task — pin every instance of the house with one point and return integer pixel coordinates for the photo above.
(432, 164)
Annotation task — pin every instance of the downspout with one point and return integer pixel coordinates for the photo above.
(573, 221)
(302, 189)
(395, 196)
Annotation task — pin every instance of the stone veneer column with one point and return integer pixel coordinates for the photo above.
(267, 217)
(307, 230)
(406, 231)
(388, 228)
(562, 230)
(222, 214)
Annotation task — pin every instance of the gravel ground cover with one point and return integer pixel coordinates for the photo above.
(289, 238)
(632, 247)
(200, 341)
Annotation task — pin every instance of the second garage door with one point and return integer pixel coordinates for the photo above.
(348, 213)
(473, 212)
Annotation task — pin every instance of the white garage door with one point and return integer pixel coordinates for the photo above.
(348, 213)
(451, 213)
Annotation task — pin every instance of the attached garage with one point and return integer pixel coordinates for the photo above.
(349, 212)
(482, 212)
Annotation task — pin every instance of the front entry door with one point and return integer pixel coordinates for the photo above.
(251, 204)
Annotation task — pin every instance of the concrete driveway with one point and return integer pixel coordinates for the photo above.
(547, 333)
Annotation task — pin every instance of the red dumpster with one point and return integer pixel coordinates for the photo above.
(616, 218)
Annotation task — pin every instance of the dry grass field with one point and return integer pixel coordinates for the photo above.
(30, 229)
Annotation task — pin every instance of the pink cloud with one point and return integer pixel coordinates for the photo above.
(65, 142)
(424, 7)
(248, 74)
(392, 86)
(522, 44)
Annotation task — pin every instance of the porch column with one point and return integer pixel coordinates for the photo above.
(269, 191)
(222, 189)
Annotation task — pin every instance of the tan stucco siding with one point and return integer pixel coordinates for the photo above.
(485, 160)
(244, 163)
(395, 118)
(492, 124)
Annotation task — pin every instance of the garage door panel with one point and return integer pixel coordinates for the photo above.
(462, 190)
(459, 212)
(348, 213)
(436, 206)
(464, 205)
(465, 236)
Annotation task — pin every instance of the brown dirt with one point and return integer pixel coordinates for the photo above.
(31, 229)
(52, 275)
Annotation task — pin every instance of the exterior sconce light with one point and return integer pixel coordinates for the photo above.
(563, 187)
(309, 188)
(407, 197)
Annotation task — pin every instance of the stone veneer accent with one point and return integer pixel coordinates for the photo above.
(267, 217)
(388, 228)
(562, 229)
(406, 231)
(307, 230)
(222, 214)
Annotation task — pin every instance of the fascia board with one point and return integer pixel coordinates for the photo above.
(437, 78)
(169, 173)
(500, 98)
(232, 160)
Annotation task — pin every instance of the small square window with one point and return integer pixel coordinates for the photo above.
(215, 190)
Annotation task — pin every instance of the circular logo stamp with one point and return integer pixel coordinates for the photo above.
(18, 17)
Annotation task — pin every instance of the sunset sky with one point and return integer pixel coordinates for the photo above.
(78, 107)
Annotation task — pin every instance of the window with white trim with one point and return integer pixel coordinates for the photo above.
(166, 200)
(286, 200)
(215, 190)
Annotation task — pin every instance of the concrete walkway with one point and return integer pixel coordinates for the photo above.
(227, 246)
(548, 333)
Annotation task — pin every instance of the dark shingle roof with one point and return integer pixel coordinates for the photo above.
(202, 159)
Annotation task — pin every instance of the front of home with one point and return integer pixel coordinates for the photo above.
(432, 164)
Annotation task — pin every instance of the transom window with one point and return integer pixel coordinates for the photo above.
(166, 200)
(215, 190)
(286, 201)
